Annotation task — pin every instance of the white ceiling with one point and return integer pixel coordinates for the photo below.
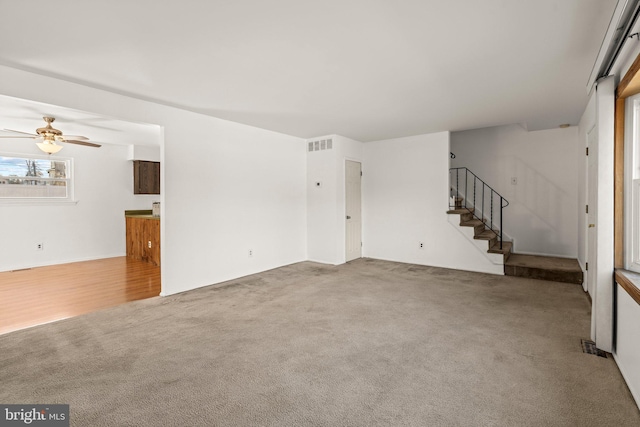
(365, 69)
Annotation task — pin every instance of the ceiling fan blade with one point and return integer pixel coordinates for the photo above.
(74, 137)
(88, 144)
(17, 131)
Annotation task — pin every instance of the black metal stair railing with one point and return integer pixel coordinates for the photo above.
(464, 183)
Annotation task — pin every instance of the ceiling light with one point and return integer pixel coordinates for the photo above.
(564, 125)
(49, 146)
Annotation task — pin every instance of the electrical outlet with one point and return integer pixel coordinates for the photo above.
(39, 247)
(250, 252)
(149, 244)
(421, 245)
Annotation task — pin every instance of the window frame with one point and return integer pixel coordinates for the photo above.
(69, 179)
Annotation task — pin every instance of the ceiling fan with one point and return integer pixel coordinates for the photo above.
(47, 137)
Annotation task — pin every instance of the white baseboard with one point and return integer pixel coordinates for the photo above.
(322, 261)
(497, 270)
(58, 262)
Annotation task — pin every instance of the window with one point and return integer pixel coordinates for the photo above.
(35, 178)
(632, 183)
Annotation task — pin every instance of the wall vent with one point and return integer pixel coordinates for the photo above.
(320, 145)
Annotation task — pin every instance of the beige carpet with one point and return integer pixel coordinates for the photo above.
(367, 343)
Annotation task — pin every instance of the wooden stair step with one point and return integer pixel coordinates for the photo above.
(485, 235)
(471, 223)
(544, 268)
(506, 248)
(460, 211)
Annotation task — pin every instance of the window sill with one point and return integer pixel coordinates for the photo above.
(39, 202)
(630, 282)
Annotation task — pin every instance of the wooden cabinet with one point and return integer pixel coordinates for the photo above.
(143, 239)
(146, 177)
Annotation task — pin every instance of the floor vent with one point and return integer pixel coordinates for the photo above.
(589, 347)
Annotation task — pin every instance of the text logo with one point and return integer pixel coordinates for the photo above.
(34, 415)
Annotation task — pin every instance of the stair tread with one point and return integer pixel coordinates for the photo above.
(460, 211)
(485, 235)
(471, 223)
(506, 248)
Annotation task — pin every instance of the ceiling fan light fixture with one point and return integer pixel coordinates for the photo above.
(46, 138)
(49, 147)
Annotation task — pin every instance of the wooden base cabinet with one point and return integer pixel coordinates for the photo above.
(143, 239)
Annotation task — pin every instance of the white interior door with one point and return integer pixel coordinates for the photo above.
(592, 200)
(353, 204)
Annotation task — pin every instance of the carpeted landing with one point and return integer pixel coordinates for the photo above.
(362, 344)
(544, 268)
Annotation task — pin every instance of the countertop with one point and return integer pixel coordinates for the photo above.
(142, 214)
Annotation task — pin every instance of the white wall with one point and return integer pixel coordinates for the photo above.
(322, 205)
(326, 225)
(541, 216)
(227, 187)
(144, 152)
(405, 200)
(627, 351)
(92, 228)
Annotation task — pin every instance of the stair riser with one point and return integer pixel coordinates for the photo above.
(541, 274)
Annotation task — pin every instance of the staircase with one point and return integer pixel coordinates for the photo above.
(481, 231)
(481, 207)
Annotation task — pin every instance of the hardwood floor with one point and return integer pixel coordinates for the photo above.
(46, 294)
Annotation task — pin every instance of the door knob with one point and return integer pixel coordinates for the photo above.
(591, 225)
(348, 217)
